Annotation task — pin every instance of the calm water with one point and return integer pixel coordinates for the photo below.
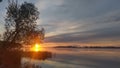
(62, 58)
(78, 58)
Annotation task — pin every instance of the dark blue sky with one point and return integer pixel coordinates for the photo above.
(76, 21)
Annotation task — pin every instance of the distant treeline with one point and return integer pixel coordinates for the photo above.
(108, 47)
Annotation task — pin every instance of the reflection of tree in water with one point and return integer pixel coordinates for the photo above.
(30, 65)
(34, 56)
(12, 59)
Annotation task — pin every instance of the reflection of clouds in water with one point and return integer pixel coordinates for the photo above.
(70, 61)
(84, 58)
(81, 58)
(109, 53)
(57, 64)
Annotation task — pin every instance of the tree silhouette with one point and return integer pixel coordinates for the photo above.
(0, 0)
(20, 22)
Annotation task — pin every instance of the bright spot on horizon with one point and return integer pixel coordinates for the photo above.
(37, 47)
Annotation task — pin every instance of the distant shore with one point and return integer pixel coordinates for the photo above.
(96, 47)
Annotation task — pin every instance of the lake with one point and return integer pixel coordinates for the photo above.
(79, 58)
(62, 58)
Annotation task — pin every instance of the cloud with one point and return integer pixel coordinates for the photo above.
(104, 28)
(46, 4)
(110, 34)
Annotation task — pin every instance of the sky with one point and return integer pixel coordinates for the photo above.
(76, 22)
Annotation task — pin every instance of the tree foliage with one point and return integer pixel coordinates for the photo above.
(0, 0)
(20, 22)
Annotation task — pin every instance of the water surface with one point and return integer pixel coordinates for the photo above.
(61, 58)
(80, 58)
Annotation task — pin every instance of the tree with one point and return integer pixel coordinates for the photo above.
(0, 0)
(20, 22)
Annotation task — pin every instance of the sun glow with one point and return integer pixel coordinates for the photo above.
(37, 47)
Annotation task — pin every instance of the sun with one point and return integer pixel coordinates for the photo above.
(37, 47)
